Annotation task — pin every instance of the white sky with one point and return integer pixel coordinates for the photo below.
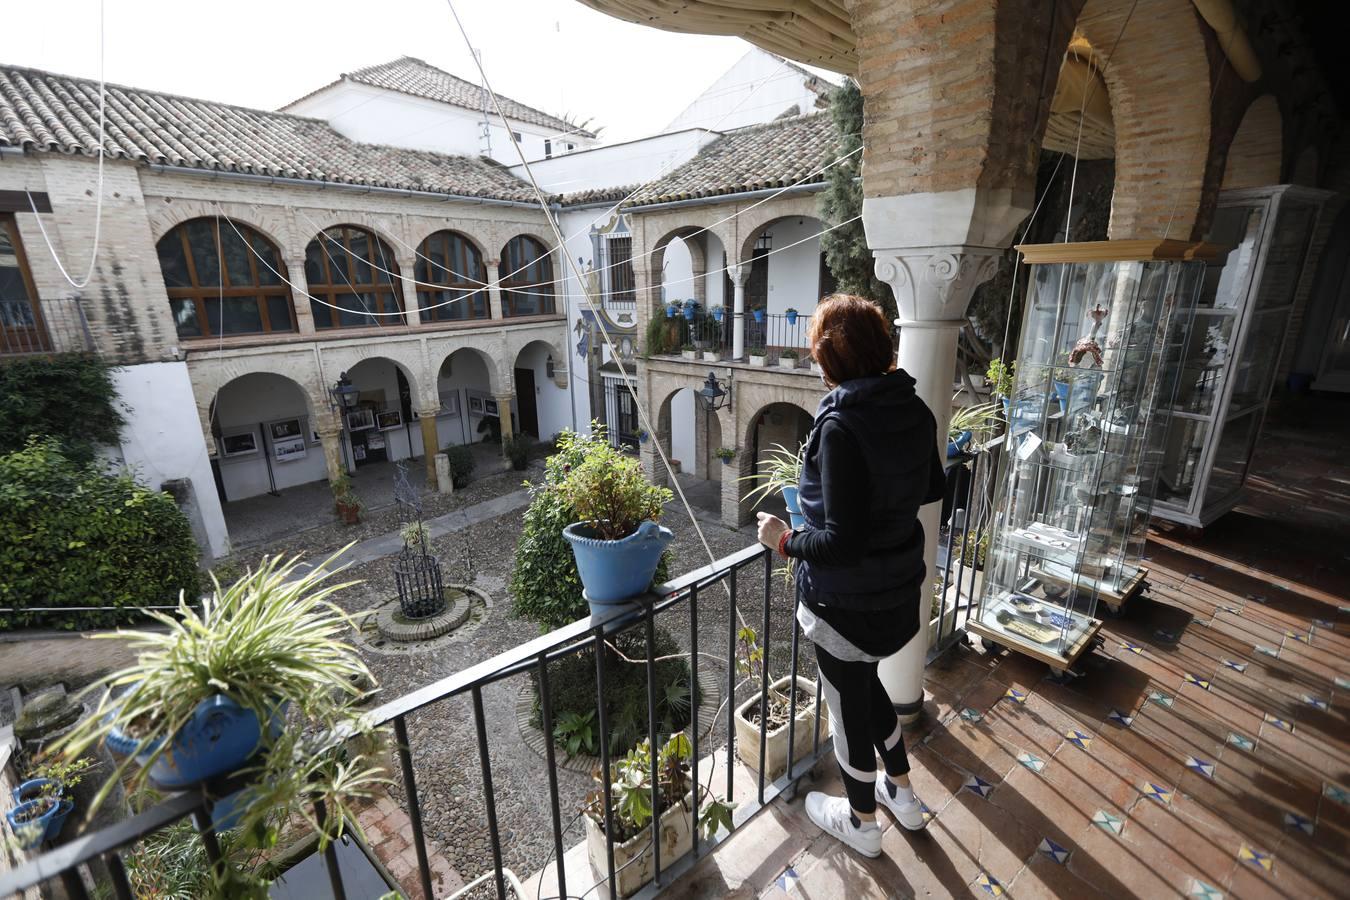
(556, 55)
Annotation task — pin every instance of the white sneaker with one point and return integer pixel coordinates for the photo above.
(906, 808)
(835, 816)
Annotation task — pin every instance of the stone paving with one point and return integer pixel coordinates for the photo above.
(1205, 752)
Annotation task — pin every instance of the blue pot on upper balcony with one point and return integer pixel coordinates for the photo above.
(717, 313)
(794, 509)
(690, 308)
(759, 315)
(614, 572)
(671, 310)
(791, 315)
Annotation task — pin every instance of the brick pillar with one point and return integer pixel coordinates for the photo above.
(494, 289)
(735, 511)
(504, 414)
(304, 314)
(431, 442)
(412, 314)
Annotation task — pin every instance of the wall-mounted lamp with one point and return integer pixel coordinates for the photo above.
(715, 393)
(549, 368)
(345, 394)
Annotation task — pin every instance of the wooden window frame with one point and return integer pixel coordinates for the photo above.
(17, 340)
(329, 292)
(203, 294)
(465, 261)
(525, 280)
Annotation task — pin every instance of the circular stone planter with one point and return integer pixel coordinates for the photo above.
(533, 735)
(392, 625)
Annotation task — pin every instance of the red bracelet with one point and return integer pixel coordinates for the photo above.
(782, 543)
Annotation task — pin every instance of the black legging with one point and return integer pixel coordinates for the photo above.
(863, 723)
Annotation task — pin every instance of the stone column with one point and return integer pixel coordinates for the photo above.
(412, 310)
(431, 441)
(330, 437)
(933, 250)
(735, 511)
(494, 289)
(504, 414)
(304, 314)
(740, 274)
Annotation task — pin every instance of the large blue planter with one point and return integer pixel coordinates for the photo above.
(33, 832)
(615, 571)
(794, 509)
(219, 738)
(957, 447)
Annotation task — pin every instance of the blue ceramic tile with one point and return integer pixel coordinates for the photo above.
(1054, 851)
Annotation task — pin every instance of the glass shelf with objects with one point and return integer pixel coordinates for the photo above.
(1230, 359)
(1103, 337)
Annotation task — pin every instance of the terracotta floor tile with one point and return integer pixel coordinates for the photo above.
(954, 673)
(974, 748)
(840, 873)
(1040, 805)
(1119, 868)
(1021, 672)
(934, 780)
(1193, 848)
(921, 864)
(999, 843)
(1034, 726)
(1087, 783)
(1044, 879)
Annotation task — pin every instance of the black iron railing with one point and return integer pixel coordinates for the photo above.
(44, 326)
(772, 333)
(723, 582)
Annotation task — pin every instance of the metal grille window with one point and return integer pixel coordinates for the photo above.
(224, 278)
(450, 259)
(350, 268)
(526, 274)
(619, 270)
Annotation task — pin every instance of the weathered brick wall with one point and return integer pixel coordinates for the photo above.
(1255, 154)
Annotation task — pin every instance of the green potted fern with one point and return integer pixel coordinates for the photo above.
(780, 471)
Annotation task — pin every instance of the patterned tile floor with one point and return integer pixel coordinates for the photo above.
(1204, 753)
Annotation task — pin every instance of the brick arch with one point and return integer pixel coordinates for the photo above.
(438, 354)
(268, 221)
(657, 256)
(751, 223)
(1158, 76)
(210, 376)
(477, 241)
(746, 436)
(405, 355)
(1256, 152)
(309, 222)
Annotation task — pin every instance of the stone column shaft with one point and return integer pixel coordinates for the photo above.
(431, 442)
(740, 274)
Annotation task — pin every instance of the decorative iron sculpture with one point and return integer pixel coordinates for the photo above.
(417, 572)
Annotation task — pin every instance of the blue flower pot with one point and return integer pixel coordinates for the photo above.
(794, 510)
(670, 311)
(34, 788)
(219, 738)
(57, 820)
(957, 447)
(791, 316)
(689, 313)
(1062, 394)
(759, 315)
(34, 831)
(615, 571)
(717, 314)
(642, 437)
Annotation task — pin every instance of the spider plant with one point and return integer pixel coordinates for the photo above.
(979, 420)
(779, 468)
(270, 643)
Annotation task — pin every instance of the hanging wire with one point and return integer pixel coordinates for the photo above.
(98, 197)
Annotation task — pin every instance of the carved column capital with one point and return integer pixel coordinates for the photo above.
(740, 274)
(935, 284)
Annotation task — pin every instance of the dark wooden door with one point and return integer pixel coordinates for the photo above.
(525, 402)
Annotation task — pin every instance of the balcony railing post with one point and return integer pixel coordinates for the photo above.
(117, 873)
(489, 796)
(792, 692)
(693, 705)
(764, 674)
(330, 860)
(605, 776)
(414, 803)
(731, 685)
(654, 745)
(546, 723)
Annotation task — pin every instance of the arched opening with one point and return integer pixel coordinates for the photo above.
(678, 422)
(380, 428)
(788, 276)
(542, 408)
(224, 278)
(452, 261)
(776, 425)
(353, 280)
(468, 412)
(266, 437)
(1255, 155)
(526, 274)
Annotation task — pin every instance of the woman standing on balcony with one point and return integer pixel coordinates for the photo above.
(871, 461)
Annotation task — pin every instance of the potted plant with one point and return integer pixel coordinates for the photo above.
(642, 435)
(970, 426)
(37, 820)
(346, 502)
(750, 662)
(759, 357)
(617, 542)
(725, 454)
(672, 309)
(689, 351)
(780, 470)
(758, 313)
(712, 354)
(518, 452)
(788, 359)
(211, 693)
(690, 309)
(999, 379)
(717, 313)
(791, 315)
(635, 801)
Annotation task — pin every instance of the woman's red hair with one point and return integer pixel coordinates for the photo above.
(850, 339)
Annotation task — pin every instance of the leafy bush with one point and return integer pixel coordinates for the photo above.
(74, 537)
(70, 397)
(518, 452)
(461, 463)
(665, 335)
(571, 682)
(545, 586)
(609, 491)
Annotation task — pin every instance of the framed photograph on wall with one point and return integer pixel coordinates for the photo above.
(449, 404)
(284, 428)
(476, 405)
(490, 407)
(361, 420)
(388, 419)
(239, 443)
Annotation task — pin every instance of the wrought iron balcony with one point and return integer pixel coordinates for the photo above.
(47, 326)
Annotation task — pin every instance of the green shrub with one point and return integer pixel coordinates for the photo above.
(518, 451)
(545, 586)
(74, 537)
(461, 463)
(571, 682)
(70, 397)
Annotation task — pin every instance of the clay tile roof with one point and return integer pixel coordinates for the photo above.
(410, 75)
(773, 155)
(597, 195)
(43, 111)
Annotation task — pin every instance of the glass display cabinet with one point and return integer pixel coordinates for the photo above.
(1229, 365)
(1104, 325)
